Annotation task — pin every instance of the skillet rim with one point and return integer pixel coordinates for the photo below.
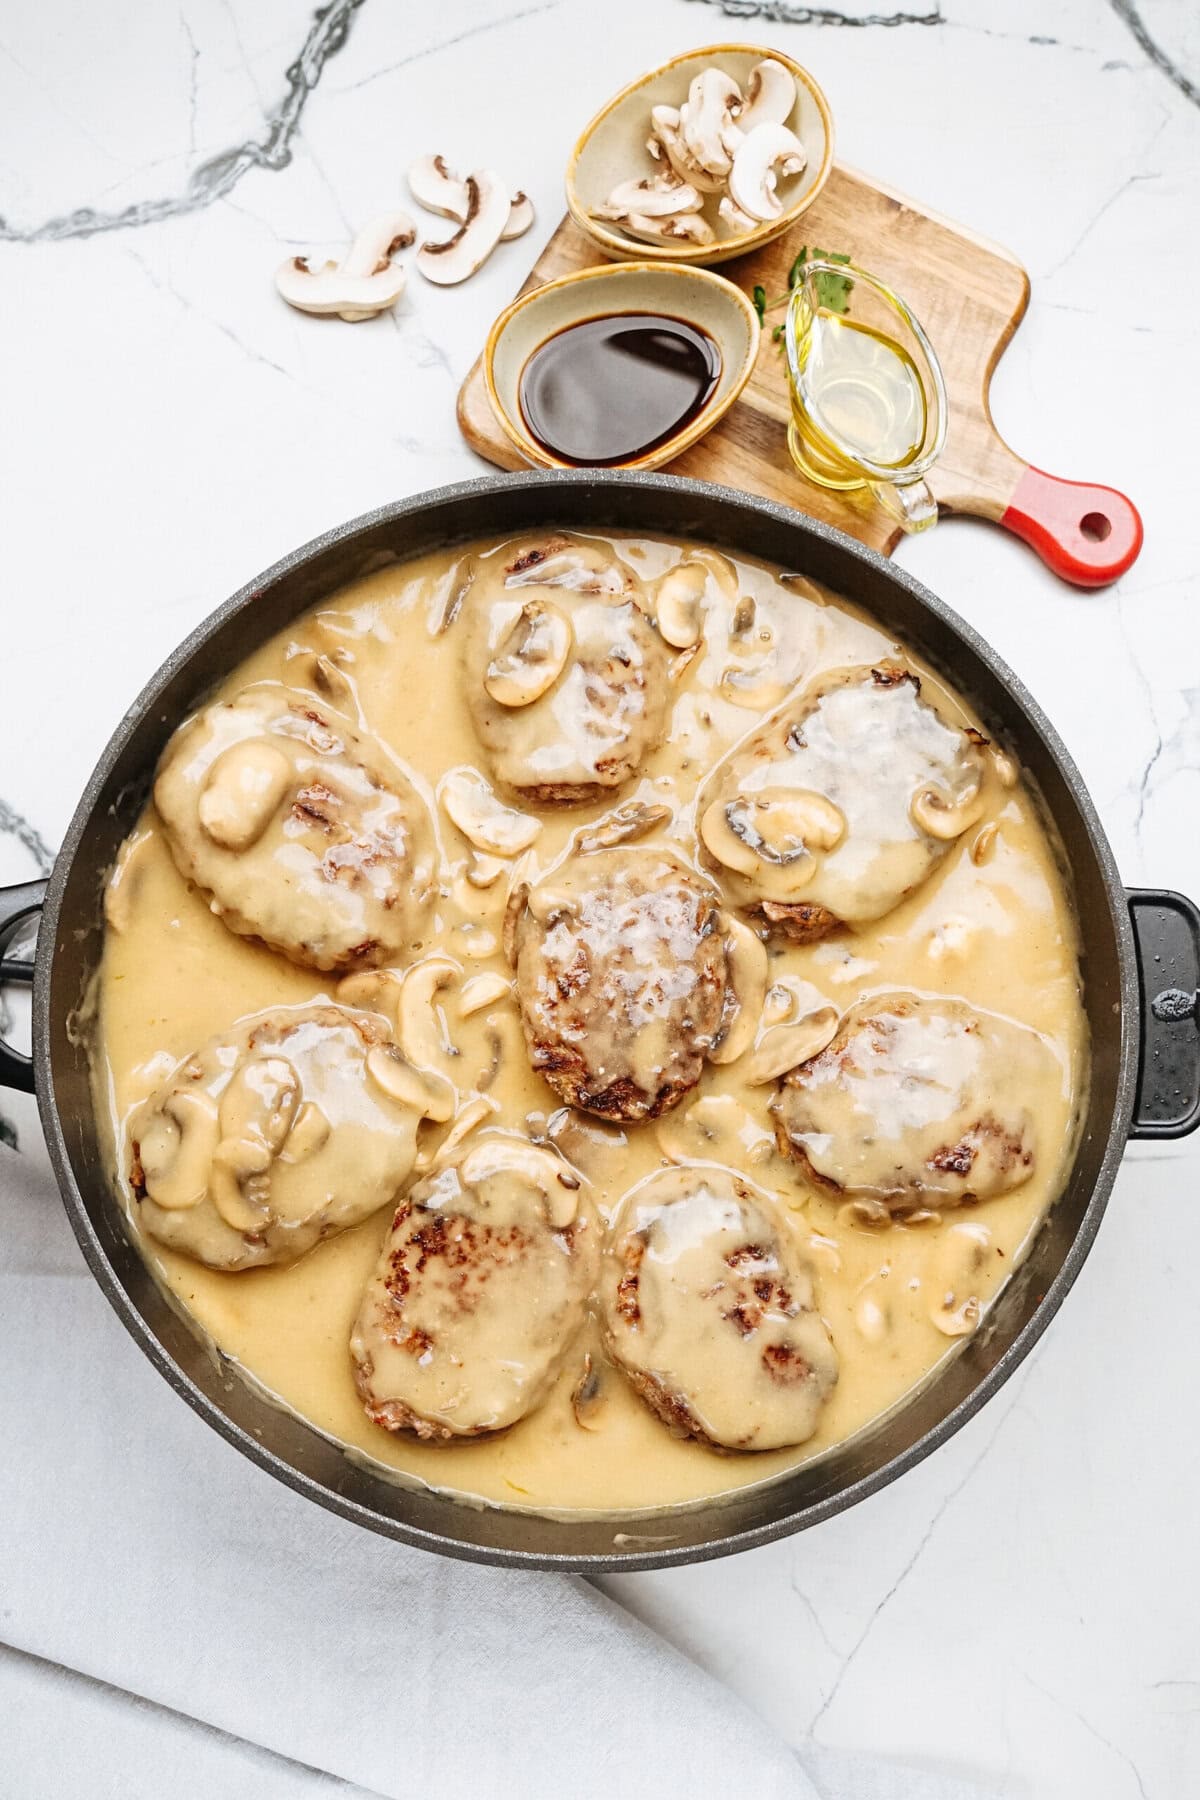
(460, 494)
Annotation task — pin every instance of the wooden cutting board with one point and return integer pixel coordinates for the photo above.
(970, 295)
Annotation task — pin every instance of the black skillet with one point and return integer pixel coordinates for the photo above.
(1141, 964)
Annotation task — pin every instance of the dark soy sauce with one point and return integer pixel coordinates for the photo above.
(612, 389)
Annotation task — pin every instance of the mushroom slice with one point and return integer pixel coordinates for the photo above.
(488, 209)
(482, 991)
(176, 1149)
(734, 217)
(946, 820)
(655, 196)
(434, 185)
(588, 1398)
(485, 870)
(705, 122)
(485, 821)
(786, 1047)
(746, 961)
(717, 1128)
(313, 669)
(765, 154)
(468, 1120)
(721, 834)
(363, 283)
(772, 826)
(770, 96)
(310, 1133)
(421, 1030)
(666, 133)
(532, 655)
(520, 217)
(425, 1091)
(677, 604)
(241, 793)
(625, 825)
(962, 1257)
(375, 990)
(679, 228)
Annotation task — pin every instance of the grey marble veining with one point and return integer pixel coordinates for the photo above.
(218, 175)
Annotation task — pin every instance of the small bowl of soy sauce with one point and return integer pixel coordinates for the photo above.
(619, 367)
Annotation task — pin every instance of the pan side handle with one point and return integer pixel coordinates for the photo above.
(1166, 932)
(16, 905)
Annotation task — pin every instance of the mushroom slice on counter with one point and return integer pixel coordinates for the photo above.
(621, 974)
(820, 817)
(565, 676)
(298, 828)
(448, 1342)
(916, 1102)
(488, 208)
(709, 1310)
(770, 96)
(764, 155)
(272, 1137)
(520, 217)
(364, 283)
(434, 185)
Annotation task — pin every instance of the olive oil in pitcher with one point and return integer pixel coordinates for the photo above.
(868, 400)
(867, 392)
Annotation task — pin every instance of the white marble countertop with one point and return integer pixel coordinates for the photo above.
(1024, 1604)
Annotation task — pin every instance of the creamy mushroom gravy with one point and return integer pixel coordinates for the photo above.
(992, 924)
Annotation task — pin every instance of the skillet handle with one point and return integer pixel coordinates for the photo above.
(1166, 933)
(16, 905)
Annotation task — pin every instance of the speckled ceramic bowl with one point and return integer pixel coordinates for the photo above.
(693, 295)
(612, 148)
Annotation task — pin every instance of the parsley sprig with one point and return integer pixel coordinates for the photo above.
(833, 291)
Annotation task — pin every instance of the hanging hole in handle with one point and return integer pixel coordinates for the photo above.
(1087, 534)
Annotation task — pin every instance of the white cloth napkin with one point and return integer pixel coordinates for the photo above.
(140, 1549)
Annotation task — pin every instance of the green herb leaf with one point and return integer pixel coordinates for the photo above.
(833, 291)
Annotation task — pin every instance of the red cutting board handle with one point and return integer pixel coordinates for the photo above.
(1089, 535)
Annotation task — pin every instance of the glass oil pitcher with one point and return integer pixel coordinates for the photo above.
(867, 393)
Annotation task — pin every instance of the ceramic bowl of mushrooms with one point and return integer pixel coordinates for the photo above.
(716, 152)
